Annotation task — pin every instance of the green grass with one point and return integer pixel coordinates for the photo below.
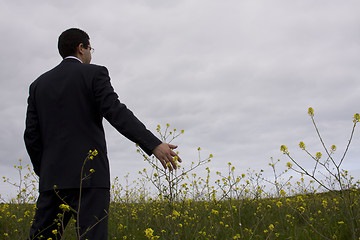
(310, 216)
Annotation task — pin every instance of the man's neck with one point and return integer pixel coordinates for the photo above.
(73, 57)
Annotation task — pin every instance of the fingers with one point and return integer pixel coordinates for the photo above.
(173, 154)
(170, 161)
(172, 146)
(163, 163)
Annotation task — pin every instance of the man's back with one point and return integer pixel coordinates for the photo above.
(70, 123)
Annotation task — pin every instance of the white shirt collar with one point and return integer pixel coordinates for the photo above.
(73, 58)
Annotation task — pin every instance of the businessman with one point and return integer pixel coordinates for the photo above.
(66, 107)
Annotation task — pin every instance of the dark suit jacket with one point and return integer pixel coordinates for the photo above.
(66, 106)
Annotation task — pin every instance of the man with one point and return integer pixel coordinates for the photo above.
(66, 106)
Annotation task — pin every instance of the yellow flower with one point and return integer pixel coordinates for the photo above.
(54, 231)
(92, 170)
(237, 236)
(64, 207)
(214, 211)
(271, 227)
(318, 155)
(301, 209)
(149, 233)
(356, 118)
(284, 149)
(333, 148)
(302, 145)
(95, 152)
(27, 214)
(311, 111)
(176, 213)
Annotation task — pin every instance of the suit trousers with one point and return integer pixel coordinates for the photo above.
(55, 209)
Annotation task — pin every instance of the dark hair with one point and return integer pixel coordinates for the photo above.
(70, 39)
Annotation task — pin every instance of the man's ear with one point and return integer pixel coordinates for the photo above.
(80, 49)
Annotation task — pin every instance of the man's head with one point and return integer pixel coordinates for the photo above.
(75, 42)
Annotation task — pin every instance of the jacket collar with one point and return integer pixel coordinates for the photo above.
(72, 59)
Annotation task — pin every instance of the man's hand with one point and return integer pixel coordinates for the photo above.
(166, 155)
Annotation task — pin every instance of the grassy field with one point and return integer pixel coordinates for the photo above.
(307, 216)
(322, 204)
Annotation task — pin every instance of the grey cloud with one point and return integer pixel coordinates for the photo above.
(237, 76)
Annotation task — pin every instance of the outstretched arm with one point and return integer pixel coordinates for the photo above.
(164, 152)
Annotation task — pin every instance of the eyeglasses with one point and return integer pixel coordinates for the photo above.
(91, 49)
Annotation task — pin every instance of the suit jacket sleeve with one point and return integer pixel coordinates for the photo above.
(119, 116)
(32, 134)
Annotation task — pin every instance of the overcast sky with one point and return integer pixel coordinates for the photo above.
(237, 75)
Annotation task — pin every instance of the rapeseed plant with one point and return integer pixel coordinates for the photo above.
(238, 206)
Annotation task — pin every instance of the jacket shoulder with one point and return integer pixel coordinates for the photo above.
(92, 66)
